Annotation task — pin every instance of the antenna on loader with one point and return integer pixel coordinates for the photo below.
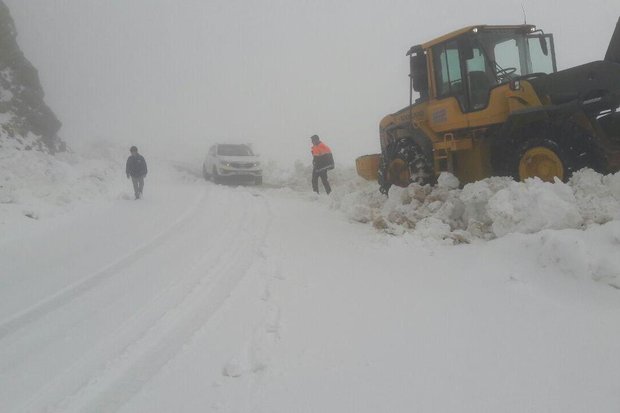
(524, 14)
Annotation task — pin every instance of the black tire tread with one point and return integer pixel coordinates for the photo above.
(410, 152)
(571, 143)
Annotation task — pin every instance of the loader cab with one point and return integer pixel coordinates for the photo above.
(466, 65)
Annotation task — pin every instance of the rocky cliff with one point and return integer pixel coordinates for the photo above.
(26, 122)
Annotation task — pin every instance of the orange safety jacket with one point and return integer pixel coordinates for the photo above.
(320, 149)
(322, 158)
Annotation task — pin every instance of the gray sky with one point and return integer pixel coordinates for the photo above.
(174, 76)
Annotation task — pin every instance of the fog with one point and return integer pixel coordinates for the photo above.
(174, 76)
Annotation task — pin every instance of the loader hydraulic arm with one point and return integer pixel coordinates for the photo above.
(613, 51)
(595, 85)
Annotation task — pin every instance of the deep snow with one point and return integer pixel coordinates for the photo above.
(499, 296)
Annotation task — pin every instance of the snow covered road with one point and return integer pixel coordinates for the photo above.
(212, 298)
(74, 313)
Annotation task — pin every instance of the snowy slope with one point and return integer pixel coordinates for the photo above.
(242, 299)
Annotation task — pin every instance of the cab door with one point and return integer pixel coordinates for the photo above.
(451, 101)
(541, 54)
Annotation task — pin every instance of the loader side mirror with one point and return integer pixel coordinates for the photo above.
(543, 45)
(419, 72)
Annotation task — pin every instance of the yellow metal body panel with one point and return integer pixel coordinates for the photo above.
(473, 164)
(450, 143)
(446, 115)
(502, 102)
(525, 97)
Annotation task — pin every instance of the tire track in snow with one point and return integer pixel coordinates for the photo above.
(154, 350)
(69, 293)
(144, 344)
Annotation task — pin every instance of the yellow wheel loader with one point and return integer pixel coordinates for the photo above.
(491, 102)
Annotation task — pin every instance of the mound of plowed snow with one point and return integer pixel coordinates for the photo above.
(485, 209)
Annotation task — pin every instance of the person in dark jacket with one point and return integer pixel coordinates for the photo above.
(322, 161)
(136, 169)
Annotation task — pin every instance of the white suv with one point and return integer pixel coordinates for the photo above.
(234, 161)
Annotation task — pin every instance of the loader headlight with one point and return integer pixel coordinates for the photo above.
(515, 85)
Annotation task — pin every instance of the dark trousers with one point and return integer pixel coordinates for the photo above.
(315, 181)
(138, 185)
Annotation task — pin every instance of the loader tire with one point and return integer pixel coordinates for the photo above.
(404, 163)
(542, 158)
(384, 185)
(555, 150)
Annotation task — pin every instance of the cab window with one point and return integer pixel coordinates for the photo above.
(508, 55)
(539, 61)
(448, 70)
(479, 82)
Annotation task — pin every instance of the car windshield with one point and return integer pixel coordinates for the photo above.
(234, 150)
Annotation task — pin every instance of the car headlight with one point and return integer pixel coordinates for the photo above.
(227, 164)
(256, 164)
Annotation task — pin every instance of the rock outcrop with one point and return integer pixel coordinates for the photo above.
(26, 122)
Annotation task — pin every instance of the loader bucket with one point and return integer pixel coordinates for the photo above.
(368, 166)
(613, 51)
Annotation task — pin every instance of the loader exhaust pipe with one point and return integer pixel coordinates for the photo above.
(613, 51)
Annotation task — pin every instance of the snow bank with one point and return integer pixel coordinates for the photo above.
(589, 255)
(295, 177)
(35, 184)
(486, 209)
(533, 206)
(298, 176)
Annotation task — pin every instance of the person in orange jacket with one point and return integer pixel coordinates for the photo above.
(322, 161)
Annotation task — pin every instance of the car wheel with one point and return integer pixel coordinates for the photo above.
(205, 174)
(215, 176)
(259, 180)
